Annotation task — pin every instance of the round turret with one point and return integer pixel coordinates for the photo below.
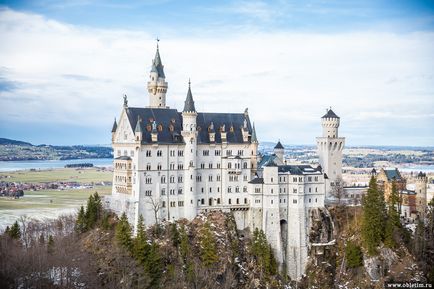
(330, 124)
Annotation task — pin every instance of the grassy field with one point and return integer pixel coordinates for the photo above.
(52, 199)
(48, 204)
(59, 175)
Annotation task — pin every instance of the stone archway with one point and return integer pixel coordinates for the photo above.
(284, 237)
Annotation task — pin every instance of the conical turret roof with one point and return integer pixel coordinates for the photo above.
(189, 102)
(115, 126)
(254, 138)
(330, 114)
(157, 64)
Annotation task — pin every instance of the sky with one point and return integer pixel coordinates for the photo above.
(65, 65)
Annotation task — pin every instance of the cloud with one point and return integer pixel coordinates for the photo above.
(75, 75)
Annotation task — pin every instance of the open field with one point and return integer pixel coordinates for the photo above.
(48, 204)
(87, 175)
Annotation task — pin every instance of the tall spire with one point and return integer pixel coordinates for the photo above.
(157, 64)
(254, 138)
(138, 126)
(189, 102)
(115, 126)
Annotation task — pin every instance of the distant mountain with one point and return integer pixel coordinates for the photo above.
(13, 150)
(6, 141)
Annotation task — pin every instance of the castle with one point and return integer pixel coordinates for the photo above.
(170, 165)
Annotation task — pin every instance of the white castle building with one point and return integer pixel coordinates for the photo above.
(170, 165)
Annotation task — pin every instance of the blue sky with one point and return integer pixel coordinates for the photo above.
(64, 66)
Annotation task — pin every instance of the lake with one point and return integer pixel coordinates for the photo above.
(50, 164)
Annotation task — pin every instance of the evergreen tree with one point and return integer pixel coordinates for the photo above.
(141, 246)
(98, 206)
(373, 220)
(392, 222)
(80, 223)
(174, 235)
(105, 222)
(15, 232)
(7, 230)
(154, 265)
(208, 246)
(50, 245)
(184, 245)
(270, 263)
(123, 232)
(354, 255)
(91, 211)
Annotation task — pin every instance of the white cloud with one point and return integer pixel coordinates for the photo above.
(75, 75)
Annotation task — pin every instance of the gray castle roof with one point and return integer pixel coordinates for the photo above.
(171, 125)
(392, 174)
(254, 138)
(330, 114)
(157, 64)
(189, 102)
(115, 126)
(279, 145)
(299, 169)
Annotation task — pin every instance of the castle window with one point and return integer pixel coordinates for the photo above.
(309, 179)
(218, 189)
(316, 190)
(148, 193)
(172, 179)
(210, 190)
(163, 179)
(245, 200)
(179, 179)
(202, 165)
(149, 180)
(205, 153)
(217, 152)
(229, 165)
(237, 189)
(271, 190)
(229, 190)
(294, 191)
(244, 189)
(230, 201)
(210, 165)
(179, 191)
(202, 201)
(163, 192)
(159, 167)
(238, 201)
(218, 201)
(316, 200)
(210, 178)
(180, 203)
(201, 190)
(271, 179)
(300, 179)
(294, 201)
(294, 179)
(163, 204)
(218, 165)
(271, 201)
(316, 179)
(148, 167)
(310, 190)
(210, 201)
(245, 165)
(310, 200)
(119, 153)
(180, 153)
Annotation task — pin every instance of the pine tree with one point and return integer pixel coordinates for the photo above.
(50, 245)
(392, 222)
(98, 206)
(80, 223)
(91, 211)
(184, 245)
(354, 255)
(123, 232)
(15, 232)
(154, 265)
(174, 235)
(7, 230)
(141, 246)
(208, 246)
(373, 220)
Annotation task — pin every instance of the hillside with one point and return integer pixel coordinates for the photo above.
(14, 150)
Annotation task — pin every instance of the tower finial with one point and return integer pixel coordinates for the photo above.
(158, 40)
(125, 101)
(189, 83)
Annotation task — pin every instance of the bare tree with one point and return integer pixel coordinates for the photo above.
(156, 206)
(337, 190)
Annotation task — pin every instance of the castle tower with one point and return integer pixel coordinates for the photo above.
(330, 147)
(157, 85)
(189, 133)
(254, 145)
(421, 188)
(279, 151)
(271, 215)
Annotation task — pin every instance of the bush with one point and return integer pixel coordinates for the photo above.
(354, 255)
